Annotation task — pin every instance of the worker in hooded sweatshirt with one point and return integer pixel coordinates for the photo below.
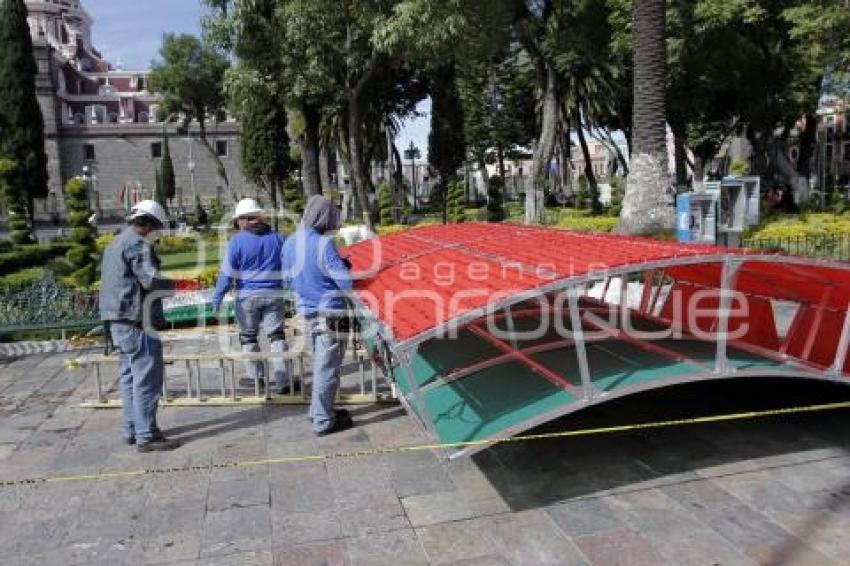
(321, 279)
(252, 265)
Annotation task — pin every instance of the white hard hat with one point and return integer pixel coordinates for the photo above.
(247, 207)
(149, 208)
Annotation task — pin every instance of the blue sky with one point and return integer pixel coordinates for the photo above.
(130, 32)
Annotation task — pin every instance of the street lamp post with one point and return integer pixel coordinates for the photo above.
(191, 166)
(87, 179)
(412, 153)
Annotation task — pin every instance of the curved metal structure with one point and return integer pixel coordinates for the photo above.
(489, 330)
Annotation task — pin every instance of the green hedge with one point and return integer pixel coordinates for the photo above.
(21, 279)
(588, 223)
(31, 255)
(6, 246)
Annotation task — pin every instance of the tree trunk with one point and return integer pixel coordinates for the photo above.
(222, 172)
(500, 156)
(482, 170)
(620, 157)
(782, 165)
(647, 206)
(588, 161)
(545, 146)
(355, 147)
(311, 151)
(807, 145)
(273, 189)
(699, 172)
(681, 157)
(566, 169)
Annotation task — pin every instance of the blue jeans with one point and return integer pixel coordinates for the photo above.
(328, 352)
(267, 311)
(141, 378)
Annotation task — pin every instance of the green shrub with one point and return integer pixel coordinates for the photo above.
(739, 167)
(175, 245)
(79, 255)
(208, 276)
(21, 279)
(618, 191)
(495, 199)
(392, 229)
(6, 246)
(588, 223)
(456, 201)
(216, 211)
(812, 224)
(59, 267)
(78, 218)
(82, 235)
(17, 218)
(293, 196)
(385, 204)
(83, 255)
(30, 255)
(102, 242)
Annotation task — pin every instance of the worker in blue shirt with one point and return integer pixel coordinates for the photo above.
(321, 280)
(252, 265)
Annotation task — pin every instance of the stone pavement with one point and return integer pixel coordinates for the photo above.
(773, 491)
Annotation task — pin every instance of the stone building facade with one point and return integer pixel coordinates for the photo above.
(101, 122)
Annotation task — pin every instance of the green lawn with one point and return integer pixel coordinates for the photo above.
(186, 265)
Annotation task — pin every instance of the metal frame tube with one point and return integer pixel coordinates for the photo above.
(223, 378)
(424, 414)
(200, 389)
(843, 343)
(587, 386)
(97, 380)
(188, 379)
(727, 284)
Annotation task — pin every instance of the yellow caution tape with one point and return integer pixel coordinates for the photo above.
(421, 447)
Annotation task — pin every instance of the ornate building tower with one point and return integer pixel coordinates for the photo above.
(102, 122)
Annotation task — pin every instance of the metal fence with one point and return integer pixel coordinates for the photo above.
(48, 305)
(833, 246)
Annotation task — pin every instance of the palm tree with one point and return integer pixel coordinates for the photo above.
(647, 204)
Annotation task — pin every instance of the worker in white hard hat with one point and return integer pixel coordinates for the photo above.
(131, 292)
(252, 266)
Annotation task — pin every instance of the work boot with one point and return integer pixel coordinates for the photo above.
(343, 413)
(159, 444)
(341, 422)
(131, 440)
(288, 389)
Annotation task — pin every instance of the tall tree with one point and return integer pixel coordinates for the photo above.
(166, 170)
(190, 82)
(21, 122)
(647, 206)
(265, 141)
(446, 147)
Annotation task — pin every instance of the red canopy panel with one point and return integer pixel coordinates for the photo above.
(411, 280)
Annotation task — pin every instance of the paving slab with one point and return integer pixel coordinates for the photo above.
(766, 492)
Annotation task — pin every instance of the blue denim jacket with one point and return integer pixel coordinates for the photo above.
(129, 273)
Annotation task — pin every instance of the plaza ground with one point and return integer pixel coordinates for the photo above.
(767, 491)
